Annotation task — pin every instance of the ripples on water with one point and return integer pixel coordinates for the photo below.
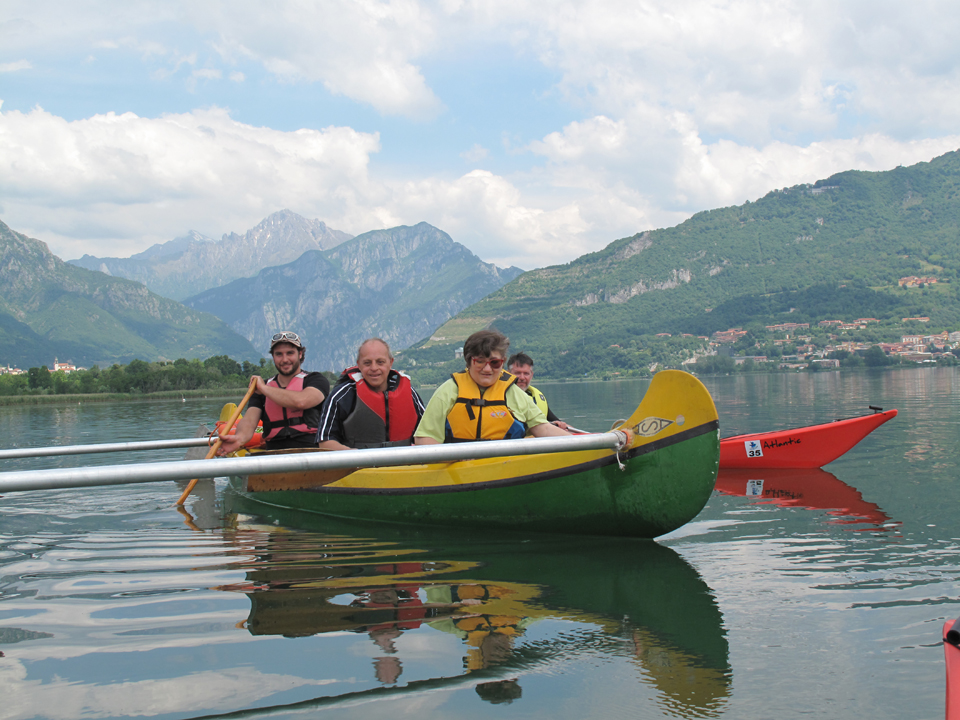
(163, 621)
(809, 593)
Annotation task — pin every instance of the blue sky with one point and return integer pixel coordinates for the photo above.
(532, 132)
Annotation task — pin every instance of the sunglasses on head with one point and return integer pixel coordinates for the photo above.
(286, 336)
(494, 363)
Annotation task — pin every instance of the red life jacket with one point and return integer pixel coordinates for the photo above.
(380, 419)
(278, 417)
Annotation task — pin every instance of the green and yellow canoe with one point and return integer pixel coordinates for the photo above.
(658, 483)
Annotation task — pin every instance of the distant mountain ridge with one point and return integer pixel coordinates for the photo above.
(398, 284)
(193, 263)
(736, 265)
(49, 308)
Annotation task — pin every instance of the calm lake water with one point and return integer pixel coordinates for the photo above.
(823, 597)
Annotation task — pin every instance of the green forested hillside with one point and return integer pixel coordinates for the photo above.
(50, 309)
(835, 249)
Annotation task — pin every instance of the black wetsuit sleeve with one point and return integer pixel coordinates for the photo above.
(337, 406)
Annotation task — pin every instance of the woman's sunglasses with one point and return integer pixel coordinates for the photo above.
(494, 363)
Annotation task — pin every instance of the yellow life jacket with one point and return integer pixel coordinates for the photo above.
(482, 417)
(538, 398)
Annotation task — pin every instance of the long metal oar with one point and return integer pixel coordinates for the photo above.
(228, 427)
(265, 464)
(52, 450)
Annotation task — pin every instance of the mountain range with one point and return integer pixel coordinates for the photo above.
(809, 252)
(193, 263)
(836, 248)
(398, 283)
(49, 309)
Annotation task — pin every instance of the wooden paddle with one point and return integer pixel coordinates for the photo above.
(216, 446)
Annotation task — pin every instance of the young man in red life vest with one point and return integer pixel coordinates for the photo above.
(288, 403)
(372, 405)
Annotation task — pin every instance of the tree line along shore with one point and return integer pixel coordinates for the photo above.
(221, 376)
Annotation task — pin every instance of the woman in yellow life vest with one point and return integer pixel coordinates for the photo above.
(483, 401)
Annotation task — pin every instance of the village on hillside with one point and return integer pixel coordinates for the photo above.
(916, 348)
(56, 367)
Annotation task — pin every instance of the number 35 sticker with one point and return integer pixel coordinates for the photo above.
(754, 449)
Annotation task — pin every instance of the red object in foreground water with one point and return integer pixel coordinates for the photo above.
(951, 653)
(811, 488)
(807, 447)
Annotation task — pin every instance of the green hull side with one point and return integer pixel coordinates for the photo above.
(659, 491)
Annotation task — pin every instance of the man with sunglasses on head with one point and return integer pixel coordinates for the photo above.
(482, 402)
(288, 403)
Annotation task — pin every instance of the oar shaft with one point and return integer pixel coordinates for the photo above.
(299, 462)
(54, 450)
(228, 427)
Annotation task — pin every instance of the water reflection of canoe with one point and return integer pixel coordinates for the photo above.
(811, 488)
(660, 482)
(370, 580)
(812, 446)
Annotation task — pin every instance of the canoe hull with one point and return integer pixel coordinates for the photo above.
(807, 447)
(666, 479)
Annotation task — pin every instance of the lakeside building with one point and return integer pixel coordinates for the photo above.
(787, 327)
(65, 367)
(728, 336)
(911, 348)
(912, 281)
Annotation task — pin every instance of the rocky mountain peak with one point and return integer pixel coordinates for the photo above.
(192, 263)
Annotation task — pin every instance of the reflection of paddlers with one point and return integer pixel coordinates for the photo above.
(396, 606)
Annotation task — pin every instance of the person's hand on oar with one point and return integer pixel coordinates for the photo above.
(216, 446)
(245, 429)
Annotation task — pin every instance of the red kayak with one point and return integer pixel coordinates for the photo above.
(807, 447)
(951, 653)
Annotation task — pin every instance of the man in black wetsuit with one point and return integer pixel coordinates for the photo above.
(372, 405)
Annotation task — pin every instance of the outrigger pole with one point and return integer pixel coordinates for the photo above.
(266, 464)
(53, 450)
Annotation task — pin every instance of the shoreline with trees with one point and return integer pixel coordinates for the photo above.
(221, 376)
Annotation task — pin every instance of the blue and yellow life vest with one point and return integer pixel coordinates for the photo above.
(485, 416)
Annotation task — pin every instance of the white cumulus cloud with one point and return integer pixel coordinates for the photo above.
(119, 182)
(668, 108)
(15, 66)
